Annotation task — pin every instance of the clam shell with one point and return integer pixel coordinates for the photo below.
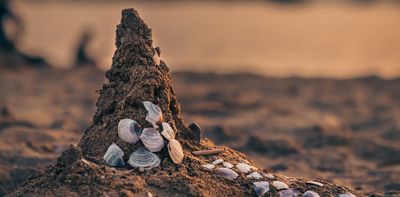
(315, 183)
(208, 166)
(218, 161)
(129, 130)
(152, 139)
(346, 195)
(261, 187)
(227, 173)
(268, 175)
(245, 168)
(167, 132)
(175, 151)
(227, 164)
(143, 159)
(254, 175)
(114, 156)
(288, 193)
(280, 185)
(154, 113)
(310, 194)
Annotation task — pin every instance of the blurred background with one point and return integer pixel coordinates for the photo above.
(306, 88)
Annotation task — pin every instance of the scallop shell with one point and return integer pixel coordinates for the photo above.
(254, 175)
(168, 132)
(175, 151)
(114, 156)
(152, 139)
(280, 185)
(154, 113)
(129, 130)
(144, 159)
(310, 194)
(227, 173)
(261, 187)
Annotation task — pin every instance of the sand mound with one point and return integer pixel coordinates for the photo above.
(135, 77)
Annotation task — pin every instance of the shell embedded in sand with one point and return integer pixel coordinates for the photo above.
(196, 131)
(245, 168)
(227, 164)
(168, 132)
(227, 173)
(156, 58)
(152, 139)
(129, 130)
(114, 156)
(288, 193)
(315, 183)
(268, 175)
(280, 185)
(310, 194)
(218, 161)
(144, 159)
(154, 113)
(261, 187)
(175, 151)
(208, 166)
(254, 175)
(346, 195)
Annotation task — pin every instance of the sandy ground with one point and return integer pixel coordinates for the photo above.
(342, 130)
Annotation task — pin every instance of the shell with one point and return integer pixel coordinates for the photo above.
(152, 139)
(280, 185)
(227, 173)
(196, 130)
(245, 168)
(168, 132)
(175, 151)
(268, 175)
(143, 159)
(129, 130)
(114, 156)
(288, 193)
(315, 183)
(310, 194)
(154, 113)
(218, 161)
(261, 187)
(346, 195)
(254, 175)
(208, 166)
(227, 165)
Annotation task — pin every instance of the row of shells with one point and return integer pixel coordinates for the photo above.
(131, 131)
(261, 187)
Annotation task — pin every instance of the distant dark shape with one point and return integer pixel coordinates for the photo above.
(82, 57)
(6, 44)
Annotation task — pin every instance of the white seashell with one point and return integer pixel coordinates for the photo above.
(227, 165)
(315, 183)
(310, 194)
(227, 173)
(144, 159)
(245, 168)
(114, 156)
(154, 113)
(156, 58)
(152, 139)
(218, 161)
(254, 175)
(167, 132)
(268, 175)
(129, 130)
(288, 193)
(261, 187)
(175, 151)
(346, 195)
(208, 166)
(280, 185)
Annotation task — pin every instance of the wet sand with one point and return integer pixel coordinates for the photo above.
(341, 130)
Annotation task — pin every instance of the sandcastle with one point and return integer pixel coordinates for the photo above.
(138, 75)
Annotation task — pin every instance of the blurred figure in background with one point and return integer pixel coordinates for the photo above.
(6, 15)
(82, 57)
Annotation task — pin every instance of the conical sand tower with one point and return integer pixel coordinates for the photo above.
(138, 75)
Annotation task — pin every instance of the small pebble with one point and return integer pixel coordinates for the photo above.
(209, 166)
(346, 195)
(227, 173)
(245, 168)
(280, 185)
(288, 193)
(254, 175)
(269, 175)
(149, 194)
(315, 183)
(310, 194)
(218, 161)
(261, 187)
(227, 164)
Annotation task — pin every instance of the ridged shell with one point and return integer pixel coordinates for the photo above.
(175, 151)
(154, 113)
(152, 139)
(310, 194)
(168, 132)
(261, 187)
(144, 159)
(114, 156)
(227, 173)
(129, 130)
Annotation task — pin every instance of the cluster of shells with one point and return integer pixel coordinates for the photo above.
(131, 131)
(261, 181)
